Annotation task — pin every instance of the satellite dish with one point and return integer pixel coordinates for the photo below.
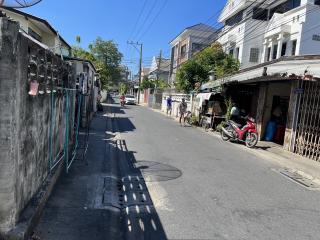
(18, 3)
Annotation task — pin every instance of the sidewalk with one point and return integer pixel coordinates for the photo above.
(75, 210)
(293, 163)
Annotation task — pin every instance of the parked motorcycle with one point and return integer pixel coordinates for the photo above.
(188, 118)
(247, 134)
(205, 122)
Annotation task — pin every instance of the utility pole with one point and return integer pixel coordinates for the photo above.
(159, 65)
(140, 63)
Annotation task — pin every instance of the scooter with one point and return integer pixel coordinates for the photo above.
(122, 101)
(247, 134)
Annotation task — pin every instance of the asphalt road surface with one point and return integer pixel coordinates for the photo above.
(189, 185)
(204, 188)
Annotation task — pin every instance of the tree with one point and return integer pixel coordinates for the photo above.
(146, 83)
(123, 88)
(161, 84)
(197, 70)
(189, 74)
(78, 39)
(107, 53)
(106, 58)
(83, 54)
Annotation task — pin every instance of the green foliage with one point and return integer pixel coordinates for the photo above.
(197, 70)
(146, 83)
(161, 84)
(189, 74)
(194, 120)
(106, 58)
(228, 103)
(82, 53)
(123, 88)
(78, 39)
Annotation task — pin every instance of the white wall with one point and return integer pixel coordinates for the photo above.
(310, 27)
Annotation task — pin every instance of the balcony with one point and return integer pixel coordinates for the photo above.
(279, 24)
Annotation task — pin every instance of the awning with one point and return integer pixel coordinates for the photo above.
(204, 96)
(285, 67)
(215, 86)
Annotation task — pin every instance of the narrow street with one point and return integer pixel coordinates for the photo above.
(200, 187)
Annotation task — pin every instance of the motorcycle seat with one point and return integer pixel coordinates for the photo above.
(237, 124)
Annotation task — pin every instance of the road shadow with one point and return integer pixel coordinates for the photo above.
(157, 172)
(141, 219)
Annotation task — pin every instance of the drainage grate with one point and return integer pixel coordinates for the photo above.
(298, 178)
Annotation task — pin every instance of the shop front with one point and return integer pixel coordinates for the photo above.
(212, 109)
(272, 113)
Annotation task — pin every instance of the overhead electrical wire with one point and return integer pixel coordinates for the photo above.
(138, 18)
(154, 19)
(146, 19)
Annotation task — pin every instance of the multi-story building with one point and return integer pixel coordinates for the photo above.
(187, 43)
(39, 30)
(278, 45)
(160, 68)
(259, 31)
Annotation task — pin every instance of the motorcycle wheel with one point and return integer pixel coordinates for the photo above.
(207, 127)
(251, 140)
(224, 136)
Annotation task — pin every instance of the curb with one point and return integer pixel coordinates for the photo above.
(31, 215)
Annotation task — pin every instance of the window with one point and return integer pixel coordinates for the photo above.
(254, 55)
(283, 49)
(237, 53)
(183, 51)
(197, 47)
(317, 2)
(235, 19)
(231, 51)
(285, 7)
(34, 35)
(296, 3)
(268, 54)
(275, 52)
(260, 14)
(294, 47)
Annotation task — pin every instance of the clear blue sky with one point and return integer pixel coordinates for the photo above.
(116, 20)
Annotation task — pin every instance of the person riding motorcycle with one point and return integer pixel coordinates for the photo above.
(122, 100)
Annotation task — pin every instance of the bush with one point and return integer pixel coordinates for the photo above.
(194, 120)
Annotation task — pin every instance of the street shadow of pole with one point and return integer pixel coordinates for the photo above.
(141, 219)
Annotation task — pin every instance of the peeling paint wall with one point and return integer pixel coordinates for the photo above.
(25, 123)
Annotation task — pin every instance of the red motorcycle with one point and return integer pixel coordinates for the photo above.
(122, 100)
(247, 133)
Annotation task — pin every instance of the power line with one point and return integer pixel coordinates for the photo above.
(146, 19)
(154, 19)
(138, 18)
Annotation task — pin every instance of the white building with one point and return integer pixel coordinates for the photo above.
(264, 30)
(278, 45)
(39, 30)
(159, 69)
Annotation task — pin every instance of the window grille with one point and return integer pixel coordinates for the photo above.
(254, 55)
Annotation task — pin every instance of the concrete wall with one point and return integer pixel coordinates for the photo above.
(292, 118)
(25, 124)
(176, 100)
(311, 27)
